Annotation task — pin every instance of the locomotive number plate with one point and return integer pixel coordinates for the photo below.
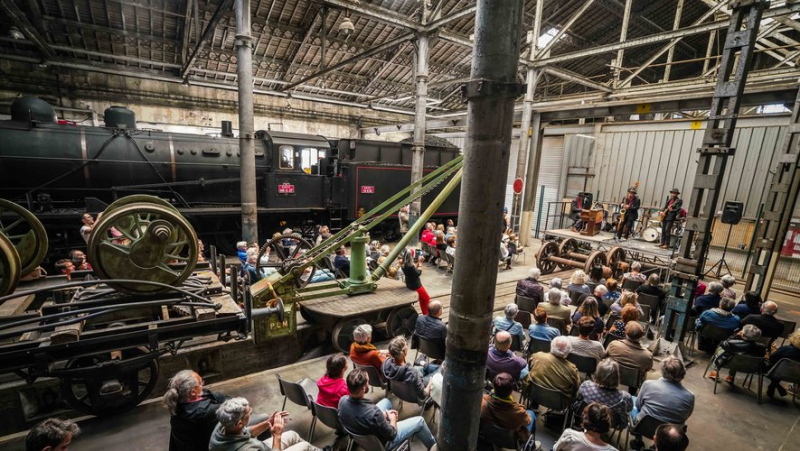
(286, 188)
(367, 190)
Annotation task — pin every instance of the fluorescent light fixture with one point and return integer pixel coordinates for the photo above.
(585, 136)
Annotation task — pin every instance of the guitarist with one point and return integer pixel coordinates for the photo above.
(670, 215)
(630, 213)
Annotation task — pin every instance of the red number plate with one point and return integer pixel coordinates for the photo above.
(286, 188)
(367, 190)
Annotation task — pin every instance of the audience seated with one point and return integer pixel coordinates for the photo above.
(590, 309)
(612, 295)
(395, 367)
(555, 282)
(78, 259)
(582, 345)
(710, 299)
(193, 411)
(430, 326)
(552, 369)
(508, 324)
(500, 359)
(363, 352)
(428, 236)
(324, 234)
(498, 408)
(578, 282)
(596, 275)
(720, 317)
(596, 419)
(653, 288)
(66, 267)
(598, 294)
(359, 415)
(665, 399)
(332, 385)
(634, 275)
(728, 281)
(251, 265)
(749, 305)
(235, 431)
(743, 343)
(554, 308)
(451, 246)
(769, 325)
(530, 286)
(790, 351)
(341, 262)
(540, 330)
(670, 437)
(701, 287)
(241, 251)
(629, 313)
(52, 434)
(434, 388)
(630, 352)
(604, 389)
(627, 298)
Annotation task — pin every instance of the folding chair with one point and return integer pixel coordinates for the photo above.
(586, 365)
(713, 333)
(497, 437)
(575, 296)
(631, 285)
(608, 339)
(516, 345)
(786, 370)
(525, 303)
(559, 324)
(645, 428)
(301, 393)
(629, 377)
(373, 443)
(788, 329)
(375, 378)
(328, 416)
(553, 400)
(405, 392)
(430, 348)
(650, 301)
(744, 364)
(536, 345)
(523, 317)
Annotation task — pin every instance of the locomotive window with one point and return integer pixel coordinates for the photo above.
(310, 157)
(287, 157)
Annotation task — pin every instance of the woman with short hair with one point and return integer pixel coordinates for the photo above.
(596, 421)
(604, 389)
(362, 351)
(578, 282)
(629, 313)
(612, 294)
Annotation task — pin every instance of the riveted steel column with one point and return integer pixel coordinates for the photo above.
(490, 114)
(531, 180)
(247, 170)
(418, 149)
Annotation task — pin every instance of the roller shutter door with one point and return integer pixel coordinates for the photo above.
(549, 176)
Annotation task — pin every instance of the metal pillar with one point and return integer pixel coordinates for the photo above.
(781, 200)
(490, 112)
(531, 180)
(418, 148)
(247, 170)
(734, 68)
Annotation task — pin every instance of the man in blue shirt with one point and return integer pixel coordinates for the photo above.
(506, 323)
(720, 317)
(710, 300)
(341, 262)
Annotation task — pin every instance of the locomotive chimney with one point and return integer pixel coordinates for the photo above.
(227, 129)
(119, 117)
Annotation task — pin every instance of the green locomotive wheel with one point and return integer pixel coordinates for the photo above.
(25, 232)
(9, 266)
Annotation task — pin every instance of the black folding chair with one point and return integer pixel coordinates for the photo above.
(523, 317)
(574, 296)
(375, 377)
(609, 338)
(712, 333)
(788, 329)
(432, 349)
(302, 393)
(525, 303)
(630, 377)
(553, 400)
(631, 285)
(586, 365)
(328, 416)
(536, 345)
(786, 370)
(497, 437)
(559, 324)
(405, 392)
(650, 301)
(645, 428)
(744, 364)
(372, 442)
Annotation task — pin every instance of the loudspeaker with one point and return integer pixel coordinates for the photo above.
(732, 212)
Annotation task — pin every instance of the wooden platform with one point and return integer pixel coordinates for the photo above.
(604, 241)
(390, 294)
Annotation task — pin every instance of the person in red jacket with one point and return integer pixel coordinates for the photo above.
(332, 385)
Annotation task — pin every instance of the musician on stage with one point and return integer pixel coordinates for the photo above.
(630, 208)
(671, 211)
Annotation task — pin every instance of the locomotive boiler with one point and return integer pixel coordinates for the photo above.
(59, 171)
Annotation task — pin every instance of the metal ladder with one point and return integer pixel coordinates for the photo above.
(778, 208)
(734, 68)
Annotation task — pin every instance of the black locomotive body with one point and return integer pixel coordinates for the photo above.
(60, 171)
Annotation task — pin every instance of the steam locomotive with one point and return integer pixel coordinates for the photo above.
(59, 171)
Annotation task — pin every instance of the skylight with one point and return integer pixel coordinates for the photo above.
(548, 36)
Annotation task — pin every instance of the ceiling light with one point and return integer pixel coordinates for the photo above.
(14, 33)
(346, 27)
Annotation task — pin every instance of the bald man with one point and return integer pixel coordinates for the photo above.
(770, 326)
(431, 327)
(502, 360)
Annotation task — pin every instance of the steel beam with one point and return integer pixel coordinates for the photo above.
(486, 156)
(297, 54)
(187, 27)
(576, 78)
(247, 134)
(366, 54)
(18, 18)
(373, 12)
(436, 24)
(222, 8)
(675, 26)
(575, 16)
(375, 76)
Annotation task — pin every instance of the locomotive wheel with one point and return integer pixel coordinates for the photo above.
(154, 243)
(567, 246)
(401, 321)
(9, 266)
(113, 390)
(282, 253)
(138, 199)
(615, 257)
(25, 232)
(342, 335)
(596, 258)
(543, 257)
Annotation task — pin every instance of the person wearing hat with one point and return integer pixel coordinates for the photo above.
(631, 206)
(671, 211)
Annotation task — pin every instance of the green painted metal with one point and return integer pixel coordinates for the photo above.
(358, 259)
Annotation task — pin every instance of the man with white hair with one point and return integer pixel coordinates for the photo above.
(721, 317)
(710, 299)
(766, 322)
(552, 369)
(232, 433)
(728, 281)
(507, 323)
(555, 309)
(635, 274)
(743, 343)
(530, 286)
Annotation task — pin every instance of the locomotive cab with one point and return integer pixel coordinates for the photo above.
(292, 183)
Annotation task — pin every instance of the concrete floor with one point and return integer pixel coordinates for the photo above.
(730, 420)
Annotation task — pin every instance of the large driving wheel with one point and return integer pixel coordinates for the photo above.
(401, 321)
(25, 232)
(143, 241)
(616, 260)
(9, 266)
(596, 258)
(564, 249)
(117, 387)
(550, 249)
(284, 253)
(342, 335)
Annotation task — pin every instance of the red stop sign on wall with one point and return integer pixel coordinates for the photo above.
(517, 186)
